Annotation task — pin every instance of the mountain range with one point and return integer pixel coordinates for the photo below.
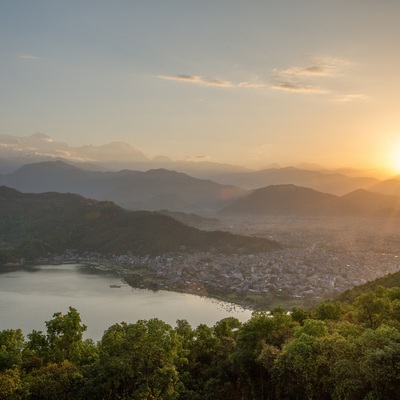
(178, 192)
(16, 151)
(326, 181)
(150, 190)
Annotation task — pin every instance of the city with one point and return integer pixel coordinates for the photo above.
(320, 258)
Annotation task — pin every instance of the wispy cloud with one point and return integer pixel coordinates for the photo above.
(317, 67)
(255, 85)
(297, 88)
(345, 98)
(25, 56)
(310, 70)
(310, 77)
(216, 82)
(195, 158)
(315, 77)
(196, 79)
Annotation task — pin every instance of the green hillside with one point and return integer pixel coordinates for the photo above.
(387, 281)
(54, 222)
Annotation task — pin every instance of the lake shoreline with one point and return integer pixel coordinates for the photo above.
(247, 300)
(31, 295)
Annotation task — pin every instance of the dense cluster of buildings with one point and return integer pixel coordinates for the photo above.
(320, 258)
(290, 272)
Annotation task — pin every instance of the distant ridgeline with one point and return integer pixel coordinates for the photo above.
(35, 224)
(290, 199)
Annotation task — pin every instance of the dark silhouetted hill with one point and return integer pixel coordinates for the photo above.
(364, 202)
(284, 200)
(326, 182)
(55, 222)
(295, 200)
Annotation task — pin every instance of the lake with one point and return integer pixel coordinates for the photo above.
(28, 298)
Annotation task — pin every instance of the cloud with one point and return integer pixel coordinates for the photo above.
(195, 158)
(332, 62)
(24, 56)
(280, 84)
(318, 66)
(200, 80)
(254, 85)
(307, 79)
(345, 98)
(311, 70)
(297, 88)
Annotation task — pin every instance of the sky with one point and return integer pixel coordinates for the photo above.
(250, 83)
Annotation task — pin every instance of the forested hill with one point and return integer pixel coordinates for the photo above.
(54, 222)
(387, 281)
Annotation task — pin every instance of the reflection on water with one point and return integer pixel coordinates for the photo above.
(30, 297)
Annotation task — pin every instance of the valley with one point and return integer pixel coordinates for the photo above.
(268, 242)
(199, 200)
(320, 258)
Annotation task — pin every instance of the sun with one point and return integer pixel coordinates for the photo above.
(394, 159)
(396, 164)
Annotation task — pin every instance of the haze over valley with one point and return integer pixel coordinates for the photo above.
(317, 243)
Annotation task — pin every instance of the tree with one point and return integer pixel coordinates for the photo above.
(11, 386)
(301, 370)
(11, 345)
(61, 381)
(299, 314)
(64, 336)
(36, 351)
(138, 361)
(202, 374)
(259, 341)
(328, 310)
(380, 361)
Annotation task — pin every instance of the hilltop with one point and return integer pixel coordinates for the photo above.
(296, 200)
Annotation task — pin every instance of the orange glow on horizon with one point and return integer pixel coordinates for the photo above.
(394, 158)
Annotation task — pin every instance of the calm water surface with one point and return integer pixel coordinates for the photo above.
(28, 298)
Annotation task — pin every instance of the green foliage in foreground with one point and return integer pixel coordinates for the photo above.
(337, 350)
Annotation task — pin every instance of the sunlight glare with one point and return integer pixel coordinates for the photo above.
(395, 158)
